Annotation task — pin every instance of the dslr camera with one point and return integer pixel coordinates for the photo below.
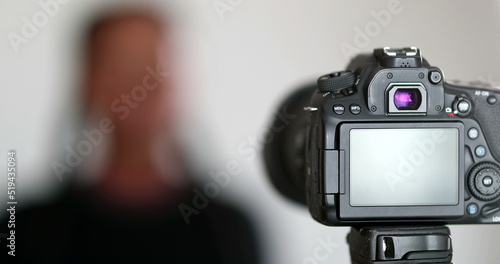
(389, 142)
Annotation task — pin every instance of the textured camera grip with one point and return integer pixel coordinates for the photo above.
(488, 117)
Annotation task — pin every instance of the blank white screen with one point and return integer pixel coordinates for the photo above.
(401, 167)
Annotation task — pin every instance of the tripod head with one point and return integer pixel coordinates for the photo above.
(400, 245)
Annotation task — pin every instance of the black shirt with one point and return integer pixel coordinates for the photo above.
(74, 229)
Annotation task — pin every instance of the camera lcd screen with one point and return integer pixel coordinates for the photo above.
(404, 166)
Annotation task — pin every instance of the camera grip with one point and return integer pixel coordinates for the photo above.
(488, 116)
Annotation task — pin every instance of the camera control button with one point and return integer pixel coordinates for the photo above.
(487, 181)
(484, 181)
(473, 133)
(338, 109)
(480, 151)
(489, 210)
(463, 106)
(472, 209)
(491, 99)
(355, 109)
(435, 77)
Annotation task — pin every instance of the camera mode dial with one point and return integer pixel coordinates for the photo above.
(341, 82)
(484, 181)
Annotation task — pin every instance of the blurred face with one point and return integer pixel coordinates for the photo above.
(125, 82)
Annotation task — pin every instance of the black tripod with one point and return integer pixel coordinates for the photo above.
(400, 244)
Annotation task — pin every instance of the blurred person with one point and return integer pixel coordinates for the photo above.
(130, 214)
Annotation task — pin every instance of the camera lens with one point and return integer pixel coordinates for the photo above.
(407, 99)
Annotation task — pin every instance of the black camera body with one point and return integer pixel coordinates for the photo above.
(388, 141)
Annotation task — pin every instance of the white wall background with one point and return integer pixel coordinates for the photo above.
(242, 65)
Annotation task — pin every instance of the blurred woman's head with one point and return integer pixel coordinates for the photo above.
(125, 76)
